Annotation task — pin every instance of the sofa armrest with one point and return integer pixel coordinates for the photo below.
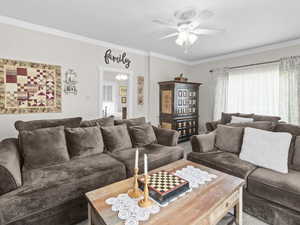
(166, 136)
(10, 166)
(203, 142)
(211, 126)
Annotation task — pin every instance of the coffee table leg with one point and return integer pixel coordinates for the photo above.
(238, 209)
(89, 214)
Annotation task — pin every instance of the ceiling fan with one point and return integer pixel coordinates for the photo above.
(187, 23)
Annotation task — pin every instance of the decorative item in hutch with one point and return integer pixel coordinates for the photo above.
(179, 107)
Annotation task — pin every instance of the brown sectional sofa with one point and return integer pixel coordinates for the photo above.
(226, 118)
(55, 194)
(268, 195)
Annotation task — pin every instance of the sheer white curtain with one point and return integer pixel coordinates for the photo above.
(254, 89)
(289, 70)
(269, 89)
(220, 77)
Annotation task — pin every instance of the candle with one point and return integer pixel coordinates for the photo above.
(136, 158)
(145, 164)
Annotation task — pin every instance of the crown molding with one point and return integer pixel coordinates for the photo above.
(60, 33)
(248, 51)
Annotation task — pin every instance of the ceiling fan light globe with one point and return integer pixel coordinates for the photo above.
(192, 38)
(179, 41)
(121, 77)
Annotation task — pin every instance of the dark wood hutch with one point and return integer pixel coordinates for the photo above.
(178, 107)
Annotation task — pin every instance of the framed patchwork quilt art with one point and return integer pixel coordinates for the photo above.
(27, 87)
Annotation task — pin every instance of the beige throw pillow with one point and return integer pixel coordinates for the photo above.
(266, 149)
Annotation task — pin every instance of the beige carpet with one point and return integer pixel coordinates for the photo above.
(248, 220)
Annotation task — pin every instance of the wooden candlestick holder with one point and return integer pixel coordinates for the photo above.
(135, 192)
(146, 202)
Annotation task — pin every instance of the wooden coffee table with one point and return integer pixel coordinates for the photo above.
(205, 205)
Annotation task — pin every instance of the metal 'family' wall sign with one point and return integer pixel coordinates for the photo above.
(108, 57)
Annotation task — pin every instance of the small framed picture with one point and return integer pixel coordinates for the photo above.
(123, 100)
(123, 91)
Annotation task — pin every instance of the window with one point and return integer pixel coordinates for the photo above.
(254, 90)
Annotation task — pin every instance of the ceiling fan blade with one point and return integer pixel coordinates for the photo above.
(205, 14)
(206, 31)
(165, 23)
(169, 36)
(193, 25)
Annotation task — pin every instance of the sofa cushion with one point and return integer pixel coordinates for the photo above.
(131, 122)
(290, 128)
(56, 185)
(266, 149)
(37, 124)
(266, 118)
(246, 115)
(295, 161)
(102, 122)
(226, 117)
(263, 125)
(44, 147)
(158, 155)
(10, 166)
(224, 161)
(116, 137)
(142, 135)
(283, 189)
(229, 139)
(84, 141)
(203, 142)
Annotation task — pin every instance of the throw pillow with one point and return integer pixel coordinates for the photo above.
(84, 141)
(246, 115)
(229, 139)
(142, 135)
(263, 125)
(266, 118)
(102, 122)
(237, 119)
(266, 149)
(44, 147)
(116, 137)
(226, 117)
(290, 128)
(296, 155)
(131, 122)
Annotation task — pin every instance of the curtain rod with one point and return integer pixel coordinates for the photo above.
(253, 64)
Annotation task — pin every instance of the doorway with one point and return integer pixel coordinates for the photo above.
(115, 93)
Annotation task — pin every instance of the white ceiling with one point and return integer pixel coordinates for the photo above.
(248, 23)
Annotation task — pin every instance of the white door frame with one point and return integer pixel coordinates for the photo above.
(130, 99)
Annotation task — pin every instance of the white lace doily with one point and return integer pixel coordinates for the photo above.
(195, 176)
(129, 210)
